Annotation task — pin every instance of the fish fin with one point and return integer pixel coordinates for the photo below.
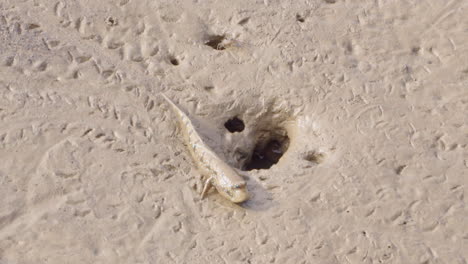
(207, 187)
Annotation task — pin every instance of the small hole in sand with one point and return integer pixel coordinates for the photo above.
(234, 125)
(111, 21)
(215, 41)
(330, 1)
(415, 50)
(32, 26)
(243, 21)
(269, 149)
(315, 157)
(174, 61)
(300, 18)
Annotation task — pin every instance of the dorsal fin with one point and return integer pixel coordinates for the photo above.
(185, 120)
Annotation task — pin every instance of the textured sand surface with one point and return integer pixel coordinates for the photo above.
(373, 95)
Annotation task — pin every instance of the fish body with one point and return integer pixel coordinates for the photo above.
(223, 177)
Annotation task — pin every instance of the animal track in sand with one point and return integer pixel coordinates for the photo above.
(208, 88)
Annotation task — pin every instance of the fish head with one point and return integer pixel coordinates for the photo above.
(239, 193)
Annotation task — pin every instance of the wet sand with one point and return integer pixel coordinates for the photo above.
(363, 103)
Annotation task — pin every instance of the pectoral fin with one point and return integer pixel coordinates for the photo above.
(207, 187)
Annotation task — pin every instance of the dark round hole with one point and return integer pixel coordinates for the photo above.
(174, 61)
(267, 153)
(234, 125)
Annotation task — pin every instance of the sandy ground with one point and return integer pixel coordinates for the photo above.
(373, 96)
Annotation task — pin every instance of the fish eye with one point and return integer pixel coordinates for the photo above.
(238, 186)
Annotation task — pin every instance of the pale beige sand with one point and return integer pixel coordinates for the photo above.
(93, 167)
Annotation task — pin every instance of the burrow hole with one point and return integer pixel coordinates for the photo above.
(174, 61)
(269, 148)
(111, 21)
(300, 18)
(216, 42)
(234, 125)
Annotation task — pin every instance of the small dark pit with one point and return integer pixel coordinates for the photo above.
(32, 26)
(234, 125)
(315, 157)
(243, 21)
(111, 21)
(215, 41)
(300, 18)
(174, 61)
(415, 50)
